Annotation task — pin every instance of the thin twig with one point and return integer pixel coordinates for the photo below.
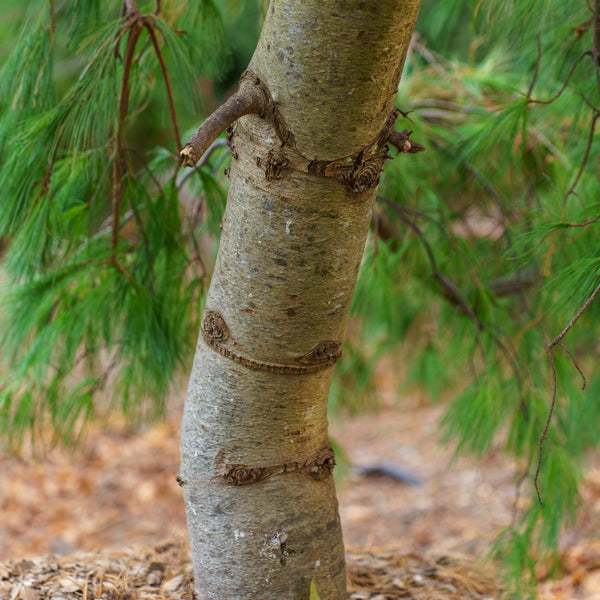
(457, 297)
(198, 255)
(536, 70)
(142, 50)
(586, 156)
(584, 224)
(557, 341)
(123, 271)
(146, 168)
(562, 89)
(165, 73)
(575, 364)
(135, 29)
(451, 290)
(430, 57)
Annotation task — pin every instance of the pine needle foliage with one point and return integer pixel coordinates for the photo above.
(101, 287)
(485, 256)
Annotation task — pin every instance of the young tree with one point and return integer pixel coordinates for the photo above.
(108, 246)
(256, 460)
(256, 467)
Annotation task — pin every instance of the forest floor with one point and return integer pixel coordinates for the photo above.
(118, 491)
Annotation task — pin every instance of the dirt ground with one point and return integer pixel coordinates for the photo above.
(119, 491)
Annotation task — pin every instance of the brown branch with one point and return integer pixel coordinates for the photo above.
(537, 68)
(586, 157)
(146, 168)
(595, 55)
(430, 57)
(123, 271)
(131, 8)
(584, 224)
(135, 29)
(562, 89)
(596, 21)
(575, 364)
(403, 142)
(52, 19)
(450, 290)
(455, 295)
(165, 73)
(515, 283)
(251, 101)
(557, 341)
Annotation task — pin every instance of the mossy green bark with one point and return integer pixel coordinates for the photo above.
(256, 462)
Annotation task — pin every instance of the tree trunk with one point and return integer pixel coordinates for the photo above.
(255, 457)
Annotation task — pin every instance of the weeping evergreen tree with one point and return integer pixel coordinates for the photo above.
(484, 256)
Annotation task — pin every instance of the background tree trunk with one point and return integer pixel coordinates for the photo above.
(255, 458)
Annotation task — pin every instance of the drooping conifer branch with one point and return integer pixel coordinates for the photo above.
(250, 101)
(135, 29)
(453, 294)
(586, 156)
(596, 21)
(557, 341)
(565, 84)
(594, 53)
(165, 73)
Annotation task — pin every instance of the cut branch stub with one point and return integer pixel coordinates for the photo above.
(249, 101)
(403, 142)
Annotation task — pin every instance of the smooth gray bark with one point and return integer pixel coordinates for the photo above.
(255, 457)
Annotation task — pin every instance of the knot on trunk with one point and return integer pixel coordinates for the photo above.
(318, 465)
(214, 326)
(323, 465)
(241, 474)
(367, 170)
(273, 164)
(217, 335)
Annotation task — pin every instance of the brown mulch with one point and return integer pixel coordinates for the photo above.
(388, 576)
(164, 573)
(118, 490)
(161, 573)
